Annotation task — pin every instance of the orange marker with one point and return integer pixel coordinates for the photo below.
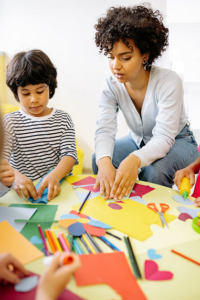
(66, 241)
(50, 241)
(67, 260)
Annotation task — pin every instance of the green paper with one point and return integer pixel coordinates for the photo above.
(43, 213)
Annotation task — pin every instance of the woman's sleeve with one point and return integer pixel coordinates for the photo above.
(170, 101)
(107, 122)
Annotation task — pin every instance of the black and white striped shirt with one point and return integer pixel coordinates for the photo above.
(35, 145)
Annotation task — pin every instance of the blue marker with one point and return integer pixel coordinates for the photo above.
(109, 243)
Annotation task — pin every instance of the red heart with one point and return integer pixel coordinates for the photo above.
(152, 273)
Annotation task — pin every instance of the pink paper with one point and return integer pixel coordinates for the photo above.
(85, 181)
(196, 192)
(114, 206)
(184, 216)
(151, 272)
(90, 188)
(141, 190)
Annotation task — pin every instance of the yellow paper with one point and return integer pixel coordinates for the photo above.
(16, 244)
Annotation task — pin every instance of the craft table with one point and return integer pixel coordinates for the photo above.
(180, 236)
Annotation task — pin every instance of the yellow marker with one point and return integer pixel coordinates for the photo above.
(56, 241)
(185, 187)
(88, 244)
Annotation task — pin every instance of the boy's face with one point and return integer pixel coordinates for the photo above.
(34, 99)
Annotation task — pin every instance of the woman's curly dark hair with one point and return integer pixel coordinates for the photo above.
(139, 23)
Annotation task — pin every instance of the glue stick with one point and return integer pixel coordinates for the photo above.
(66, 260)
(185, 187)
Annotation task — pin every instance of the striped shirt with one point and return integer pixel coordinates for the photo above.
(35, 145)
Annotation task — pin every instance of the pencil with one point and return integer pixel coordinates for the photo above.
(71, 243)
(108, 243)
(96, 247)
(88, 244)
(84, 201)
(66, 241)
(134, 258)
(53, 242)
(186, 257)
(56, 241)
(63, 244)
(115, 236)
(84, 243)
(77, 247)
(43, 239)
(80, 246)
(50, 242)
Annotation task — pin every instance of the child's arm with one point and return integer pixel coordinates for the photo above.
(52, 179)
(11, 269)
(55, 277)
(24, 185)
(7, 175)
(188, 172)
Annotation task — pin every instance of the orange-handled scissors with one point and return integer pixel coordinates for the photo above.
(164, 207)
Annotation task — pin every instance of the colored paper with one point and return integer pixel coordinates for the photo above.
(43, 213)
(11, 214)
(94, 270)
(134, 219)
(196, 192)
(69, 216)
(141, 190)
(36, 240)
(81, 196)
(26, 284)
(153, 255)
(94, 230)
(181, 200)
(99, 224)
(151, 272)
(115, 206)
(17, 245)
(66, 222)
(73, 212)
(76, 229)
(86, 181)
(192, 212)
(138, 199)
(184, 216)
(89, 188)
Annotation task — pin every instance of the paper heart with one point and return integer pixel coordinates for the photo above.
(152, 273)
(152, 255)
(27, 284)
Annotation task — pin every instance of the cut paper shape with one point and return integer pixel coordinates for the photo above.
(56, 227)
(69, 216)
(94, 230)
(23, 250)
(192, 212)
(153, 255)
(138, 199)
(86, 181)
(83, 221)
(180, 199)
(26, 284)
(141, 190)
(43, 213)
(184, 216)
(90, 188)
(120, 202)
(118, 276)
(99, 224)
(11, 214)
(76, 229)
(36, 240)
(114, 206)
(81, 196)
(151, 272)
(73, 212)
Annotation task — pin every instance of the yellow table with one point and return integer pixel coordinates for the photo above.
(180, 236)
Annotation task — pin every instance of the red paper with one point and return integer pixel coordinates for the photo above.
(184, 216)
(85, 181)
(73, 212)
(141, 190)
(96, 231)
(114, 206)
(152, 273)
(111, 269)
(90, 188)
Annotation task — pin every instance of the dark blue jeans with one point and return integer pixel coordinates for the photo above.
(162, 171)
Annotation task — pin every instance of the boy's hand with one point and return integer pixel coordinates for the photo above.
(7, 175)
(52, 183)
(11, 269)
(55, 277)
(187, 172)
(197, 202)
(24, 185)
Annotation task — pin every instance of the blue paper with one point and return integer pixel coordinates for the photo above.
(36, 240)
(181, 200)
(26, 284)
(99, 224)
(69, 216)
(138, 199)
(82, 196)
(192, 212)
(152, 255)
(76, 229)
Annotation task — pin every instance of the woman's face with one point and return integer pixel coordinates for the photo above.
(126, 64)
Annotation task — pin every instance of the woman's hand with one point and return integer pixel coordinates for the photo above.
(24, 185)
(125, 177)
(7, 174)
(52, 183)
(105, 177)
(187, 172)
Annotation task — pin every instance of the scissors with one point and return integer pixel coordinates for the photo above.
(164, 207)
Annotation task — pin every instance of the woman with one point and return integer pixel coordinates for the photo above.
(151, 99)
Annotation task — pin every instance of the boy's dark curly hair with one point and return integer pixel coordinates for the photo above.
(139, 23)
(32, 67)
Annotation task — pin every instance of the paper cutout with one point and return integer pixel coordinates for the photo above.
(76, 229)
(69, 216)
(180, 199)
(99, 224)
(73, 212)
(141, 190)
(26, 284)
(56, 227)
(151, 272)
(86, 181)
(11, 214)
(120, 202)
(114, 206)
(83, 221)
(118, 275)
(184, 216)
(138, 199)
(94, 230)
(22, 250)
(90, 188)
(36, 240)
(152, 255)
(82, 196)
(192, 212)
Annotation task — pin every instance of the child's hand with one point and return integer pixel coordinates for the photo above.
(197, 202)
(24, 185)
(7, 175)
(55, 277)
(53, 184)
(11, 269)
(187, 172)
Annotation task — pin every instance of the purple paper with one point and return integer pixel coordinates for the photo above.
(114, 206)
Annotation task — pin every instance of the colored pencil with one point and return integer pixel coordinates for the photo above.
(61, 246)
(88, 244)
(94, 243)
(84, 243)
(84, 201)
(66, 241)
(70, 239)
(108, 243)
(56, 241)
(77, 247)
(80, 246)
(134, 258)
(131, 258)
(115, 236)
(52, 239)
(71, 243)
(43, 239)
(63, 243)
(50, 242)
(186, 257)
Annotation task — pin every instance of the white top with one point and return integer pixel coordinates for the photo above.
(162, 116)
(35, 145)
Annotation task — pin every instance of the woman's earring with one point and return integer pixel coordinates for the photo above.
(145, 65)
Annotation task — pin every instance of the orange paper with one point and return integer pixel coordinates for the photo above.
(112, 269)
(16, 244)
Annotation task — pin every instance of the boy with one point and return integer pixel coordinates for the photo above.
(37, 138)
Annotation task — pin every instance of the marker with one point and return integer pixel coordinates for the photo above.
(50, 241)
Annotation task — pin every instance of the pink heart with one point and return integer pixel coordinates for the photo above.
(152, 273)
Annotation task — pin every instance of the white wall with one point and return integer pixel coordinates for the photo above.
(65, 31)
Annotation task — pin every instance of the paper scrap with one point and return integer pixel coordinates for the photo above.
(138, 199)
(151, 272)
(26, 284)
(184, 216)
(81, 196)
(99, 224)
(95, 231)
(180, 199)
(141, 190)
(76, 229)
(192, 212)
(115, 206)
(36, 240)
(153, 255)
(73, 212)
(86, 181)
(69, 216)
